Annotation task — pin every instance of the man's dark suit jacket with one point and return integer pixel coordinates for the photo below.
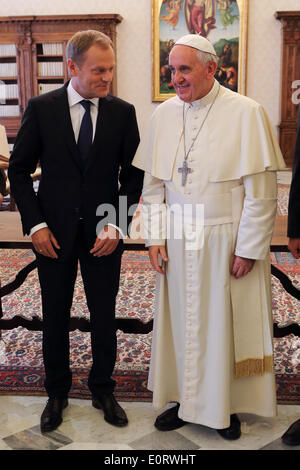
(67, 192)
(2, 183)
(294, 198)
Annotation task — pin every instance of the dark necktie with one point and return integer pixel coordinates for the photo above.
(86, 132)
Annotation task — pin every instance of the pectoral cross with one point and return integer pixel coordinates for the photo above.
(184, 170)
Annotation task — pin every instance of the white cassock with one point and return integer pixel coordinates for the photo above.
(212, 338)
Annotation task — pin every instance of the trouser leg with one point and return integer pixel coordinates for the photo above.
(57, 281)
(101, 282)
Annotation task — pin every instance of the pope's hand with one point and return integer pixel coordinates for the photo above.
(241, 266)
(294, 247)
(44, 242)
(106, 242)
(154, 252)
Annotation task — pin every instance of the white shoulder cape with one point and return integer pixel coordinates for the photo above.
(241, 139)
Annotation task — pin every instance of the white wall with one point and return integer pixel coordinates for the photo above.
(134, 46)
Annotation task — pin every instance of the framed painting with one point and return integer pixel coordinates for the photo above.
(223, 22)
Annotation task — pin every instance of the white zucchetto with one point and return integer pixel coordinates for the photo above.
(197, 42)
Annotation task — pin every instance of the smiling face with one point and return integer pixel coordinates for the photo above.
(92, 77)
(191, 78)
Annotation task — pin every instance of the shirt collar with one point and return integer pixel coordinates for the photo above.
(207, 99)
(75, 98)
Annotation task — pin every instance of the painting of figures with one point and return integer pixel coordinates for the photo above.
(221, 21)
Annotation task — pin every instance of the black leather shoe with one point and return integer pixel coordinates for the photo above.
(169, 420)
(113, 413)
(52, 415)
(292, 436)
(234, 430)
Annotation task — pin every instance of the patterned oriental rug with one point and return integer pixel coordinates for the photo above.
(282, 198)
(21, 365)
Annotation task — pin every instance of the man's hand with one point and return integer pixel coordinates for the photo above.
(154, 252)
(106, 242)
(44, 242)
(1, 198)
(294, 247)
(241, 266)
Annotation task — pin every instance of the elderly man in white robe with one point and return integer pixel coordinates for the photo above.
(209, 202)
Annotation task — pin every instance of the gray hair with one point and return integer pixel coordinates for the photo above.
(81, 41)
(206, 57)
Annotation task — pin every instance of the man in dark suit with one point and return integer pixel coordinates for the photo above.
(85, 140)
(292, 435)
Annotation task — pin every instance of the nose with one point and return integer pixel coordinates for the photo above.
(107, 76)
(177, 76)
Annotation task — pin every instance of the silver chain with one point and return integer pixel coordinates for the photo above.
(184, 116)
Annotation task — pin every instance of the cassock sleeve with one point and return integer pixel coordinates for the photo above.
(258, 216)
(154, 211)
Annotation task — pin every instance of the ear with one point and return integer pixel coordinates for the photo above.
(211, 69)
(73, 67)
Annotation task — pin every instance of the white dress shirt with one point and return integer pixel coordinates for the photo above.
(76, 112)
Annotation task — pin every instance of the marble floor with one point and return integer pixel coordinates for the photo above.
(84, 428)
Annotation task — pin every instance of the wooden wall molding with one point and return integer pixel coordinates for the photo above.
(290, 72)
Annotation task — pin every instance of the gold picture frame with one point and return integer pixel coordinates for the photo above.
(215, 19)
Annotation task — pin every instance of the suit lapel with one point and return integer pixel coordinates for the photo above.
(64, 124)
(103, 127)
